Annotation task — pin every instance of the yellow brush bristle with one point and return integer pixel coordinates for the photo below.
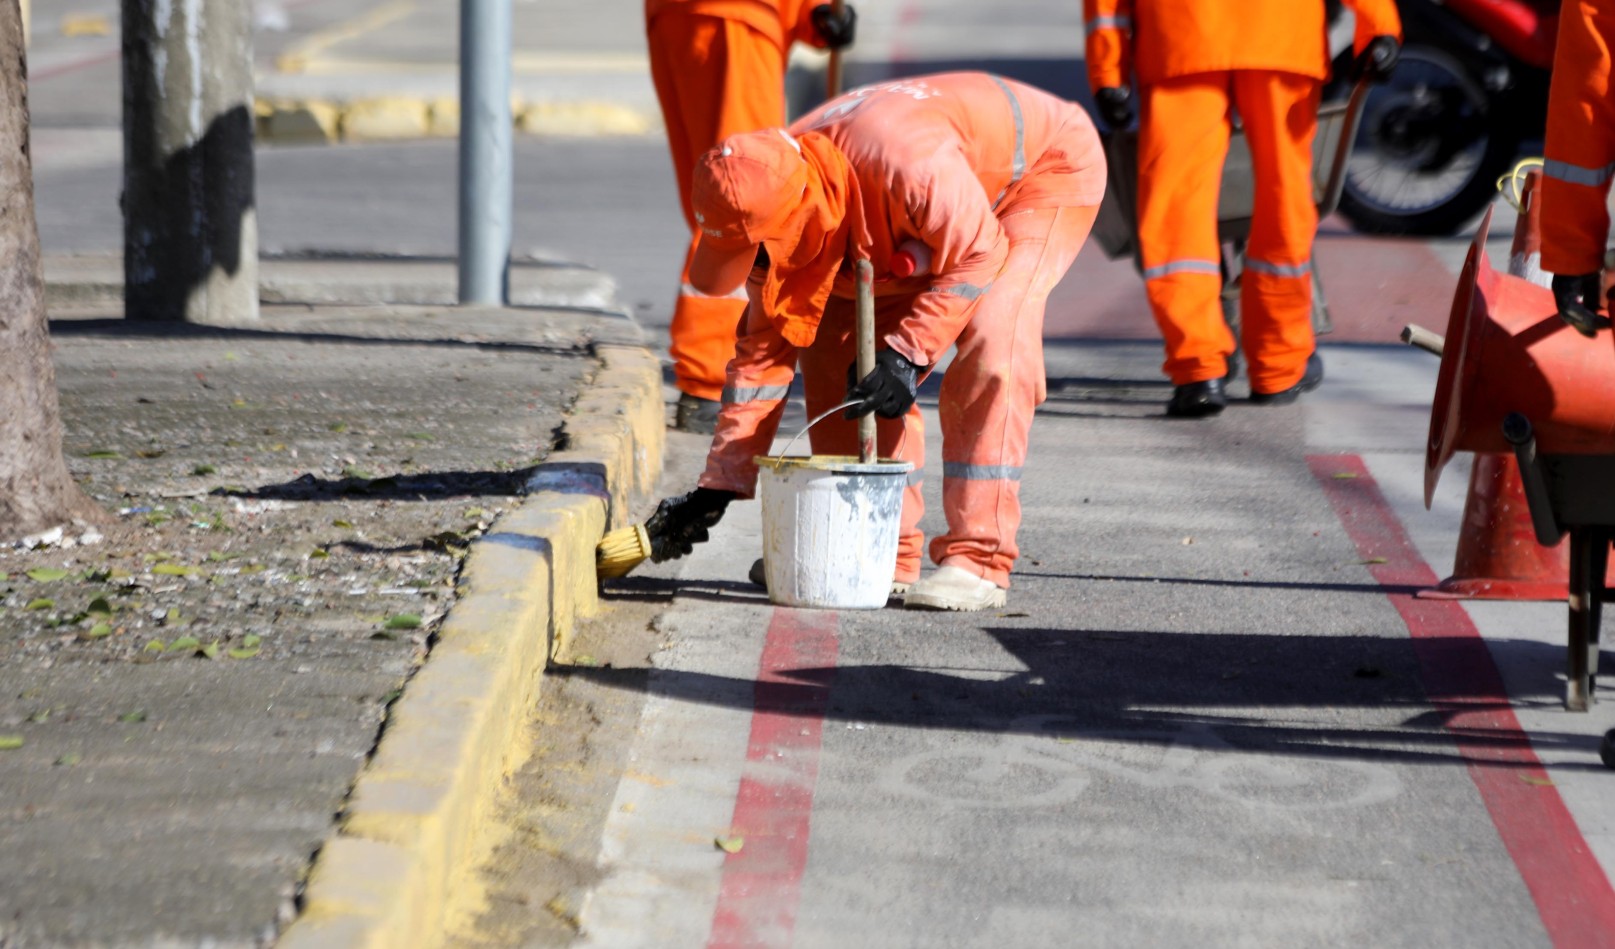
(621, 551)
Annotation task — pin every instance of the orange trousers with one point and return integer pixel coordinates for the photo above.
(1580, 147)
(990, 392)
(1182, 142)
(714, 78)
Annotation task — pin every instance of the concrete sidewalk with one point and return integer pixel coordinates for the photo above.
(342, 523)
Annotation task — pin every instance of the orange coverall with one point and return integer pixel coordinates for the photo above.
(1195, 61)
(1001, 182)
(719, 68)
(1580, 146)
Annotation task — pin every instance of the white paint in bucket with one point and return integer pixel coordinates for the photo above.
(830, 525)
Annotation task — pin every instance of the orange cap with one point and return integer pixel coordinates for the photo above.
(743, 193)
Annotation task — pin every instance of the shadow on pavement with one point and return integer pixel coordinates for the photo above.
(1159, 688)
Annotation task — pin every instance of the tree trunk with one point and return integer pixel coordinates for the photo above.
(36, 492)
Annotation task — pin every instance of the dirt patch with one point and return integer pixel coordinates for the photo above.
(293, 504)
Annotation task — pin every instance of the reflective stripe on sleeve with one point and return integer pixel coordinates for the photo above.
(1124, 23)
(1183, 266)
(1278, 270)
(689, 290)
(739, 395)
(968, 472)
(1576, 174)
(967, 290)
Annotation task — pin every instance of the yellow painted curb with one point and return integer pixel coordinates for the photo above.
(385, 119)
(408, 835)
(394, 118)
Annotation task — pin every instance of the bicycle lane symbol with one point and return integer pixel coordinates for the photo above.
(1046, 760)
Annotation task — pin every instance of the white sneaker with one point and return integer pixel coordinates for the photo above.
(953, 588)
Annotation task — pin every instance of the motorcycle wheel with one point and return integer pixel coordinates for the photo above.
(1426, 158)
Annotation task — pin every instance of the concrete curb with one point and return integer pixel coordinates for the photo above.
(409, 831)
(320, 121)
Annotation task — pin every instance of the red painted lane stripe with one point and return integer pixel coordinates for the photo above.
(1571, 890)
(762, 883)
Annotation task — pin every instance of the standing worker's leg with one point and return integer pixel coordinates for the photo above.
(824, 383)
(989, 395)
(714, 78)
(1281, 116)
(1182, 141)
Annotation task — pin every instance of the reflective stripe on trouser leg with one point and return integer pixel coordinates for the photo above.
(1182, 140)
(1275, 300)
(992, 389)
(714, 77)
(824, 383)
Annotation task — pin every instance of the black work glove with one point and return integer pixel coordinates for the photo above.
(888, 390)
(1115, 105)
(836, 31)
(682, 522)
(1376, 60)
(1578, 297)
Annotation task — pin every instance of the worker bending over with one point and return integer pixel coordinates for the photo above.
(719, 68)
(1580, 158)
(997, 184)
(1195, 62)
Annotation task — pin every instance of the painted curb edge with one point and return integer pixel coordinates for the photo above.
(382, 880)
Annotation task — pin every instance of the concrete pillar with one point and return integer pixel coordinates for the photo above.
(190, 232)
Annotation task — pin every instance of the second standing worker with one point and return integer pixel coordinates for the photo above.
(719, 68)
(1196, 61)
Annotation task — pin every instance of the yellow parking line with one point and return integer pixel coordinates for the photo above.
(298, 58)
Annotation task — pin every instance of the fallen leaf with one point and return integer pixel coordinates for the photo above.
(338, 427)
(183, 643)
(173, 570)
(403, 621)
(133, 718)
(341, 523)
(68, 760)
(10, 742)
(319, 553)
(1345, 475)
(251, 640)
(211, 651)
(48, 574)
(40, 604)
(203, 469)
(156, 645)
(1372, 560)
(729, 844)
(244, 653)
(1540, 782)
(99, 606)
(99, 631)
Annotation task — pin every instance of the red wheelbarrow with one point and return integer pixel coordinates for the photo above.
(1116, 227)
(1514, 378)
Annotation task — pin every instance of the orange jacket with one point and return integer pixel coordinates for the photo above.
(1580, 146)
(780, 20)
(935, 159)
(1162, 39)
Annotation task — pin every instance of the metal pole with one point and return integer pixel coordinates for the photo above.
(486, 160)
(832, 74)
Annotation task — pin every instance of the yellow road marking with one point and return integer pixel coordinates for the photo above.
(297, 58)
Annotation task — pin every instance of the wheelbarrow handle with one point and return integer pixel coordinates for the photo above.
(1348, 134)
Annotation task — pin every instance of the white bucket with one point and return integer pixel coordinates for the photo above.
(830, 527)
